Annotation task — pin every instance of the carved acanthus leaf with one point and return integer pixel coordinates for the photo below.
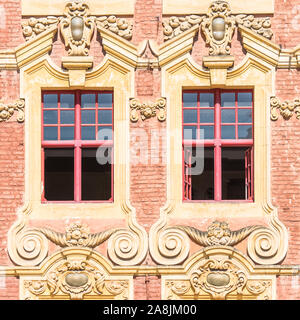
(77, 235)
(287, 108)
(218, 233)
(7, 110)
(119, 26)
(148, 110)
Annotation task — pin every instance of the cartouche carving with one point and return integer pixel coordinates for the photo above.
(261, 26)
(119, 26)
(148, 110)
(34, 26)
(8, 110)
(176, 25)
(217, 233)
(286, 109)
(77, 235)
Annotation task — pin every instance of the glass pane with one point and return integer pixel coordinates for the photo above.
(203, 184)
(67, 117)
(208, 132)
(88, 100)
(190, 115)
(96, 177)
(67, 101)
(207, 116)
(245, 99)
(190, 100)
(207, 100)
(50, 117)
(189, 132)
(245, 132)
(105, 116)
(88, 133)
(228, 116)
(245, 115)
(50, 133)
(50, 101)
(228, 99)
(59, 174)
(88, 116)
(233, 173)
(228, 132)
(104, 133)
(105, 100)
(67, 133)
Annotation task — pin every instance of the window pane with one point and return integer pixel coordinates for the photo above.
(228, 132)
(245, 99)
(245, 115)
(189, 132)
(207, 100)
(59, 174)
(67, 101)
(50, 117)
(88, 100)
(190, 100)
(207, 116)
(50, 101)
(208, 132)
(67, 133)
(233, 173)
(50, 133)
(104, 133)
(228, 99)
(88, 133)
(245, 132)
(203, 184)
(228, 116)
(96, 178)
(105, 100)
(88, 116)
(190, 115)
(105, 116)
(67, 117)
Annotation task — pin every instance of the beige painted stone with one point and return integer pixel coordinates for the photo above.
(179, 7)
(56, 7)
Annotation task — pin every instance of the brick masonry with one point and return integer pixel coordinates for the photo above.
(148, 180)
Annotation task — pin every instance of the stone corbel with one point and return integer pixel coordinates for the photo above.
(218, 67)
(77, 67)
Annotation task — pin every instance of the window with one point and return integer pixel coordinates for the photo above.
(218, 132)
(77, 132)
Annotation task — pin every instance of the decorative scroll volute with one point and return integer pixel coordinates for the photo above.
(286, 109)
(8, 110)
(77, 28)
(218, 28)
(147, 110)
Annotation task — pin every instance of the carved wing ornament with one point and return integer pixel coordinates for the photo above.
(77, 235)
(217, 233)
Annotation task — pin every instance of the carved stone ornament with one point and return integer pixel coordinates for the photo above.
(8, 110)
(148, 110)
(76, 278)
(218, 233)
(119, 26)
(34, 26)
(286, 109)
(77, 235)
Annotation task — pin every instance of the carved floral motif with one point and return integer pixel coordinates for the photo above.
(218, 233)
(34, 26)
(8, 110)
(119, 26)
(287, 109)
(148, 110)
(261, 25)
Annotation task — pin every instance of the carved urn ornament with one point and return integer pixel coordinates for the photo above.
(218, 28)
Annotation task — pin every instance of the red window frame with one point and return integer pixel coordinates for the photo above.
(217, 143)
(77, 144)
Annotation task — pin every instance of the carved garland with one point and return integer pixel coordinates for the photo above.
(148, 110)
(286, 109)
(8, 110)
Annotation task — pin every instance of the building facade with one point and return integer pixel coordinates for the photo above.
(149, 149)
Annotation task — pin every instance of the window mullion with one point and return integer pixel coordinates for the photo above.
(217, 149)
(77, 149)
